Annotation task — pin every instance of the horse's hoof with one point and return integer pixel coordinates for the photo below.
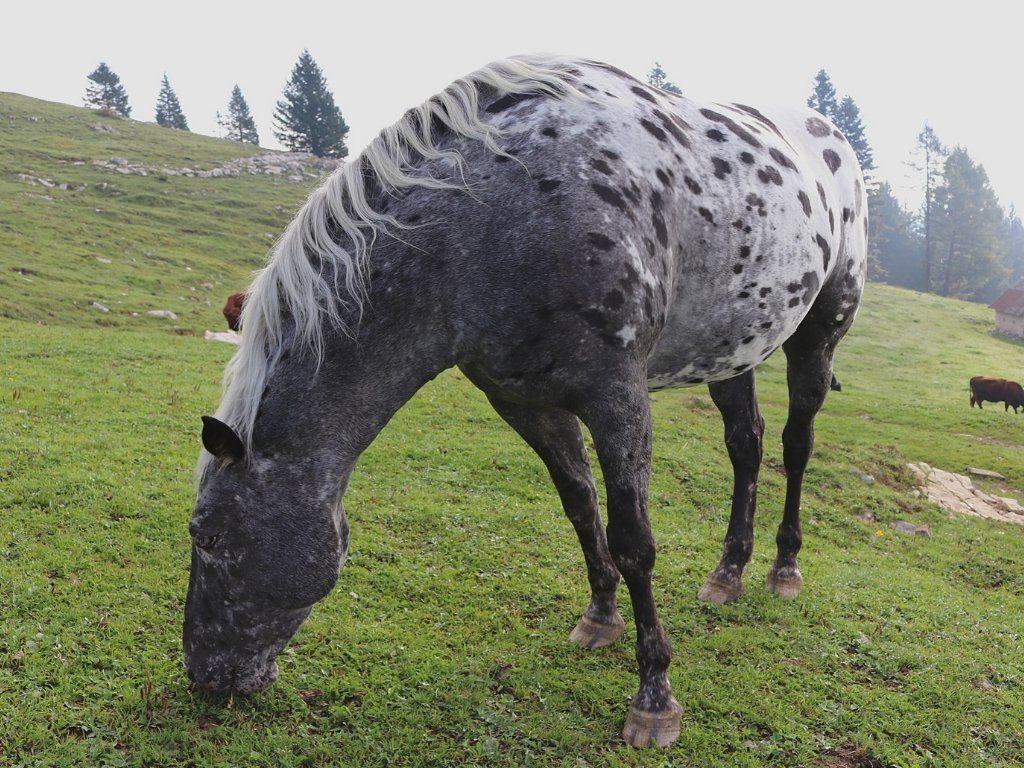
(786, 581)
(720, 592)
(644, 727)
(592, 634)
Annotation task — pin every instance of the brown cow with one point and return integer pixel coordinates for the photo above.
(1010, 393)
(233, 309)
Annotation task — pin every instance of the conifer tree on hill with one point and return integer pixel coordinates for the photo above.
(306, 118)
(238, 124)
(106, 92)
(168, 109)
(823, 98)
(659, 79)
(848, 120)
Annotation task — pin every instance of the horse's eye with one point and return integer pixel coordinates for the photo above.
(206, 542)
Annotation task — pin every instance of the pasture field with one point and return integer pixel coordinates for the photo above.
(445, 641)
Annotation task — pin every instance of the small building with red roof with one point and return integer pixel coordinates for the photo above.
(1010, 312)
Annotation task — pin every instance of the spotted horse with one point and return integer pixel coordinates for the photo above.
(571, 239)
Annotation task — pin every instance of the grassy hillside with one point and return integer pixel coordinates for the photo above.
(170, 242)
(445, 642)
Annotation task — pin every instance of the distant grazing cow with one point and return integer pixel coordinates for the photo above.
(1010, 393)
(233, 309)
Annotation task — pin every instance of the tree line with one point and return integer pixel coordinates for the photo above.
(960, 243)
(306, 119)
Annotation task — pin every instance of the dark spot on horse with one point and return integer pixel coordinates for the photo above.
(770, 174)
(648, 309)
(766, 324)
(744, 251)
(821, 194)
(509, 100)
(609, 195)
(793, 287)
(656, 200)
(601, 241)
(826, 252)
(747, 158)
(747, 340)
(781, 159)
(692, 185)
(738, 224)
(817, 127)
(673, 128)
(733, 126)
(632, 192)
(652, 129)
(737, 268)
(810, 282)
(601, 165)
(649, 244)
(847, 215)
(722, 167)
(610, 154)
(595, 317)
(643, 94)
(839, 136)
(755, 113)
(550, 132)
(743, 294)
(708, 216)
(659, 228)
(764, 291)
(662, 176)
(716, 135)
(794, 301)
(831, 221)
(805, 202)
(548, 185)
(831, 159)
(613, 299)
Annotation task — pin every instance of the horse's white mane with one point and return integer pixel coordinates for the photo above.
(317, 271)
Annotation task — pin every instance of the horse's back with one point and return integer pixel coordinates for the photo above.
(640, 223)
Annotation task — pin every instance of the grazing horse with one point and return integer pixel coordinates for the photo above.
(571, 239)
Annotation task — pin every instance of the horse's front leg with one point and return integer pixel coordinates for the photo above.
(620, 422)
(736, 399)
(556, 437)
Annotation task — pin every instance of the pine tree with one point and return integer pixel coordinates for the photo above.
(168, 109)
(659, 79)
(847, 118)
(1013, 245)
(894, 242)
(823, 97)
(934, 157)
(106, 92)
(238, 124)
(967, 229)
(306, 118)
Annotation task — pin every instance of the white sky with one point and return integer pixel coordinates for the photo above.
(904, 62)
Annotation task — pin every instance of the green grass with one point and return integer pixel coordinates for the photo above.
(445, 642)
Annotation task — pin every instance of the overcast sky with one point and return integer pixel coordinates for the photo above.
(903, 62)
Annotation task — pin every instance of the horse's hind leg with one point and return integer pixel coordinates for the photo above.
(809, 368)
(620, 421)
(557, 438)
(736, 399)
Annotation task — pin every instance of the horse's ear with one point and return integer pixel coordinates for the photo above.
(221, 440)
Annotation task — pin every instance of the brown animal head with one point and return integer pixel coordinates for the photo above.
(233, 309)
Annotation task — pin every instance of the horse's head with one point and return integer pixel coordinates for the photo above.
(266, 545)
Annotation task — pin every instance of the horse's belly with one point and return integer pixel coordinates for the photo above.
(712, 334)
